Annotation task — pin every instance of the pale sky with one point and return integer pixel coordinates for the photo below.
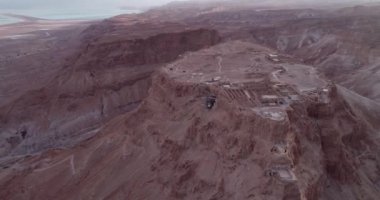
(6, 4)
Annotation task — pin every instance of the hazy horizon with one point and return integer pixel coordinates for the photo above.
(83, 4)
(98, 9)
(104, 4)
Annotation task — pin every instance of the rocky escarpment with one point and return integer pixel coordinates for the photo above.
(106, 79)
(173, 133)
(173, 147)
(343, 137)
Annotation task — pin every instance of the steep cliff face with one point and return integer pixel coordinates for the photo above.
(107, 78)
(175, 148)
(348, 146)
(311, 146)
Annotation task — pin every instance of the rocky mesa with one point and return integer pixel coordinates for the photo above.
(217, 103)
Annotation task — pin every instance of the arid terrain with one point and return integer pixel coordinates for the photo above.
(193, 101)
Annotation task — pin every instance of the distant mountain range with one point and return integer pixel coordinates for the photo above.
(140, 8)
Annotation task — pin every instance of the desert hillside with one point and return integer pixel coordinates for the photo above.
(195, 101)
